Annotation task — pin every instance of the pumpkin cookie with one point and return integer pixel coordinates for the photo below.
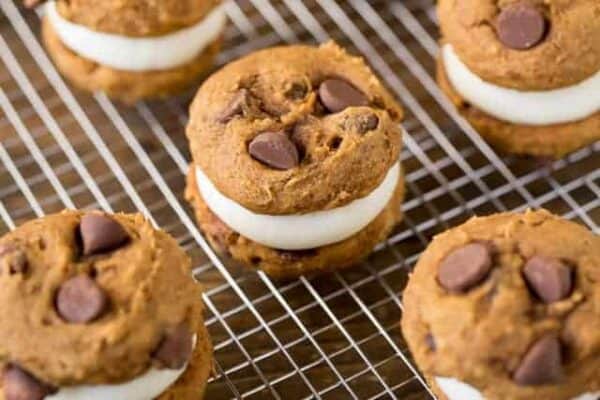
(88, 310)
(295, 155)
(525, 73)
(133, 49)
(508, 307)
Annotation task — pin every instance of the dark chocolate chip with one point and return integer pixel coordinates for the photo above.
(521, 26)
(100, 233)
(235, 106)
(297, 91)
(274, 149)
(175, 348)
(337, 95)
(465, 267)
(20, 385)
(550, 279)
(80, 300)
(542, 364)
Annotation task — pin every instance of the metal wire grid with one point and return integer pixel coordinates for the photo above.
(328, 337)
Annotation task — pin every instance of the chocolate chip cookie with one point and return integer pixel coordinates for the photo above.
(134, 49)
(295, 160)
(507, 307)
(525, 73)
(89, 310)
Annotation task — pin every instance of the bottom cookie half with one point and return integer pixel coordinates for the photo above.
(126, 86)
(554, 141)
(289, 264)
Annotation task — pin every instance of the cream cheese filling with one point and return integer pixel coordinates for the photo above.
(300, 231)
(546, 107)
(139, 53)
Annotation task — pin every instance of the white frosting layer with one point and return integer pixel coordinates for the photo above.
(457, 390)
(523, 107)
(300, 231)
(145, 387)
(139, 53)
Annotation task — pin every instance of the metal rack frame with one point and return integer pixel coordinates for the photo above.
(329, 337)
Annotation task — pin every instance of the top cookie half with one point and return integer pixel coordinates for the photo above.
(342, 122)
(135, 17)
(525, 44)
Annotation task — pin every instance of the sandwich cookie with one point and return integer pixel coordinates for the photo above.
(525, 73)
(134, 49)
(97, 307)
(295, 160)
(506, 307)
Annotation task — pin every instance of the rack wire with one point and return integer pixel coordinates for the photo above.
(333, 337)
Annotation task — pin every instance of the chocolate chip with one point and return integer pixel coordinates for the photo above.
(274, 149)
(81, 300)
(465, 267)
(297, 91)
(542, 364)
(20, 385)
(337, 95)
(235, 106)
(175, 348)
(549, 278)
(100, 234)
(521, 26)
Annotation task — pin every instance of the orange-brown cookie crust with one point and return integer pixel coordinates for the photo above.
(553, 141)
(136, 17)
(480, 335)
(570, 52)
(338, 162)
(126, 86)
(290, 264)
(137, 278)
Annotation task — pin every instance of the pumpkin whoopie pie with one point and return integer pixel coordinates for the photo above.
(508, 307)
(96, 306)
(295, 160)
(133, 49)
(525, 73)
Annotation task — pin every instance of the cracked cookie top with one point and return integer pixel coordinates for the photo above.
(89, 298)
(134, 17)
(295, 129)
(509, 304)
(525, 44)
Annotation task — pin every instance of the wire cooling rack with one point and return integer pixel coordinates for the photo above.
(332, 337)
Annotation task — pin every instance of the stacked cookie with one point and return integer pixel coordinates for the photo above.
(295, 160)
(507, 307)
(133, 49)
(525, 73)
(95, 306)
